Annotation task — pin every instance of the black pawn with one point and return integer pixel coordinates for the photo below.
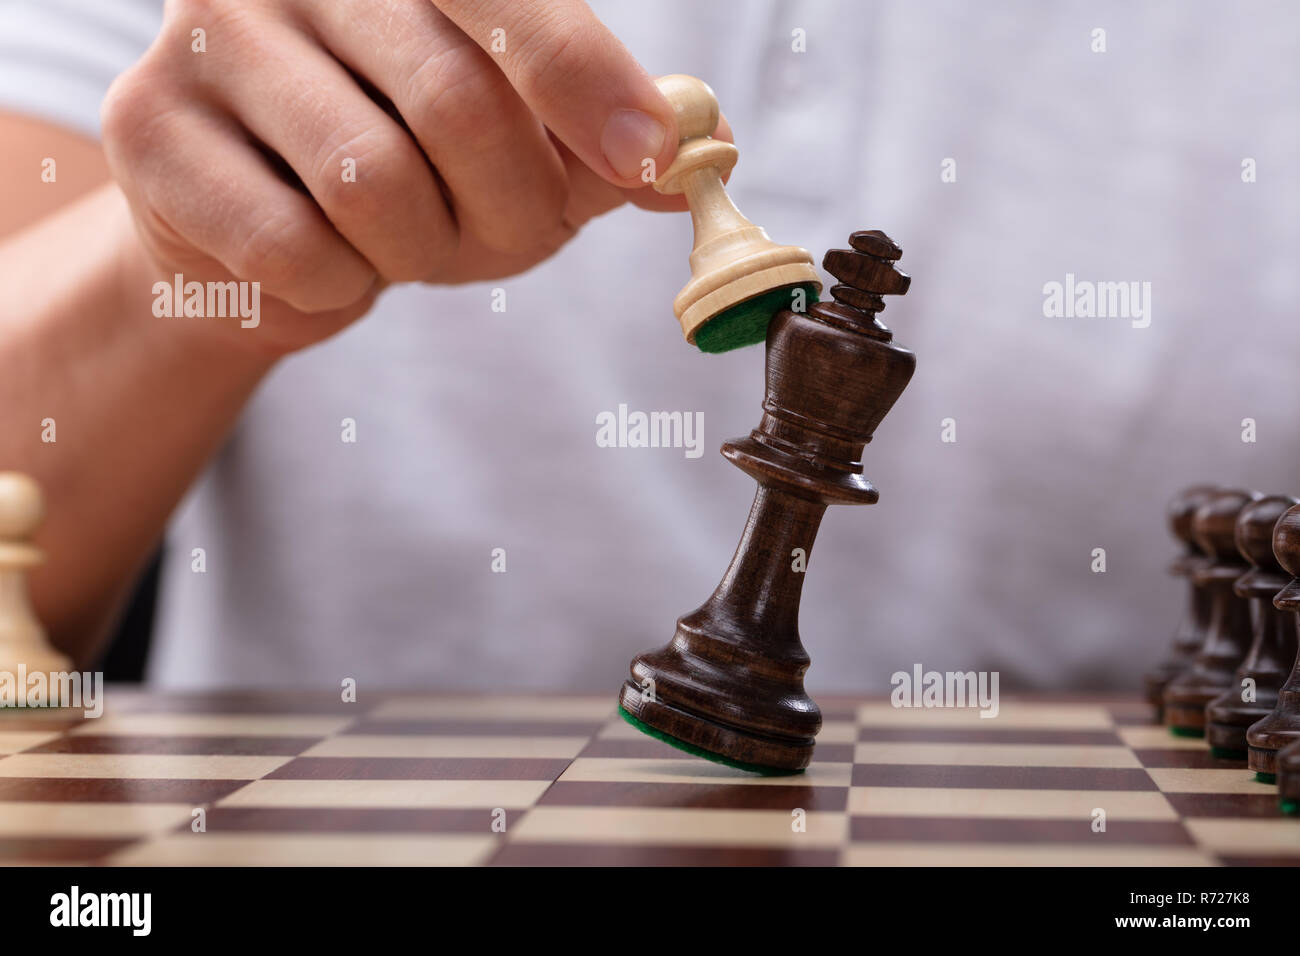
(1228, 634)
(1190, 635)
(1282, 726)
(1273, 649)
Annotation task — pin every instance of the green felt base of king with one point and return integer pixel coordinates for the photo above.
(1290, 807)
(1223, 753)
(701, 752)
(746, 322)
(1261, 777)
(1187, 731)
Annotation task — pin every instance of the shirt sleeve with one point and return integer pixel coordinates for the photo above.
(58, 57)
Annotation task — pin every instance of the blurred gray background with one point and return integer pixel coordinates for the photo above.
(476, 429)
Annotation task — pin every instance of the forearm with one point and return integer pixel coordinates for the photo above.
(135, 405)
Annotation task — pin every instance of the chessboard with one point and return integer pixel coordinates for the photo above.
(421, 779)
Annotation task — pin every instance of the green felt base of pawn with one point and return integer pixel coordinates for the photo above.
(1187, 731)
(746, 322)
(1290, 807)
(1261, 777)
(701, 752)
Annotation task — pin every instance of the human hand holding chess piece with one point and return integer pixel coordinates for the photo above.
(486, 133)
(23, 645)
(246, 147)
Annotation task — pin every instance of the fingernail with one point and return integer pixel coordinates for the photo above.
(629, 138)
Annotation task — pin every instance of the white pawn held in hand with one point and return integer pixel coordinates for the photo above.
(23, 642)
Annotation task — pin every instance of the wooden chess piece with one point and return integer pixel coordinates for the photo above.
(1288, 779)
(733, 261)
(1253, 694)
(730, 683)
(1228, 634)
(23, 644)
(1282, 726)
(1190, 635)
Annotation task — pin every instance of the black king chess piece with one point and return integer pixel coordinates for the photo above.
(729, 685)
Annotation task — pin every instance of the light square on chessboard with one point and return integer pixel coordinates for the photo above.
(494, 707)
(509, 794)
(141, 766)
(1012, 715)
(656, 826)
(1238, 780)
(973, 803)
(994, 755)
(1277, 837)
(217, 725)
(89, 819)
(303, 849)
(411, 745)
(965, 854)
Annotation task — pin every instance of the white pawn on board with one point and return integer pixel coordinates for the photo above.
(22, 639)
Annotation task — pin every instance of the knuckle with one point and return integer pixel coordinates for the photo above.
(131, 107)
(553, 58)
(235, 36)
(272, 252)
(288, 254)
(391, 187)
(381, 159)
(451, 95)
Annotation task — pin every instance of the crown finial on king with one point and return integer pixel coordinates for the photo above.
(866, 272)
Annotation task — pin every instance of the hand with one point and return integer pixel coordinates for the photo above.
(482, 135)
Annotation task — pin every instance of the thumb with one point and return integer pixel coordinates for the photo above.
(578, 79)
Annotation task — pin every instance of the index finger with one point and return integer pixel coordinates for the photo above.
(579, 80)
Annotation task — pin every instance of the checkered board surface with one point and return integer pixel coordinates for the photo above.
(415, 780)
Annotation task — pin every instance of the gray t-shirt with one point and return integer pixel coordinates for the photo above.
(1003, 152)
